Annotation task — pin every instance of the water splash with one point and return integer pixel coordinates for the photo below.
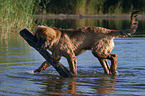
(30, 71)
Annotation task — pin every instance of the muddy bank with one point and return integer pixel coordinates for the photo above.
(66, 16)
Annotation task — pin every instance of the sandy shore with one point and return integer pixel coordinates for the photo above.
(66, 16)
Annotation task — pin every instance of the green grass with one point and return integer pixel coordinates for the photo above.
(90, 7)
(16, 15)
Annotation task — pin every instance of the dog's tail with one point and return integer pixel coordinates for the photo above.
(131, 30)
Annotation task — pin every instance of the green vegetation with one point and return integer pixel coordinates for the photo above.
(90, 7)
(15, 15)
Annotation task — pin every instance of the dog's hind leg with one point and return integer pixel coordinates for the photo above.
(113, 67)
(105, 65)
(103, 60)
(45, 64)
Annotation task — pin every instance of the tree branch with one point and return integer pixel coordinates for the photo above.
(32, 40)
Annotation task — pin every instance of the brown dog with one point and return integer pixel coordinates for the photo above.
(72, 42)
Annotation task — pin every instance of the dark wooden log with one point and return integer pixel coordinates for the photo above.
(32, 40)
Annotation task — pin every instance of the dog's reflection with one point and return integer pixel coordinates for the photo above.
(80, 86)
(106, 85)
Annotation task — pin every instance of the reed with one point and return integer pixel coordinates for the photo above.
(80, 7)
(15, 15)
(89, 7)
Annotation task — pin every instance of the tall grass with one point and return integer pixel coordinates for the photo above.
(80, 7)
(90, 7)
(15, 15)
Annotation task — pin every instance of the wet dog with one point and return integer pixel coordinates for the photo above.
(72, 42)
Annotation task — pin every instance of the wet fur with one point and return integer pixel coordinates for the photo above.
(72, 42)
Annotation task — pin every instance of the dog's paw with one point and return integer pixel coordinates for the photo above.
(37, 70)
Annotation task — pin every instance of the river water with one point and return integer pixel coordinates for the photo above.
(18, 61)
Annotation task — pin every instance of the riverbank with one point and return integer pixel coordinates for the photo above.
(66, 16)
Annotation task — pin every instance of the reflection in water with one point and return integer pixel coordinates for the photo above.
(61, 86)
(106, 85)
(73, 86)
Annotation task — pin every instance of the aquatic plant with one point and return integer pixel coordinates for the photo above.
(15, 15)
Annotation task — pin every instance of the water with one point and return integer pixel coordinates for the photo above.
(18, 61)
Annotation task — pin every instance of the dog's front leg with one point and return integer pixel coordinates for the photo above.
(45, 64)
(72, 60)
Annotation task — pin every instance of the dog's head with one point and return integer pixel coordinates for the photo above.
(45, 35)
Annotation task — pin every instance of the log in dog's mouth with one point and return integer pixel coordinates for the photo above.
(40, 45)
